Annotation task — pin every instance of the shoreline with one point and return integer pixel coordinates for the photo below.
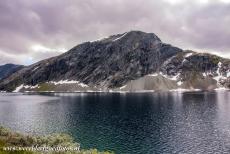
(138, 91)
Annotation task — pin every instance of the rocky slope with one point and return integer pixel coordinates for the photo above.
(133, 61)
(8, 69)
(187, 70)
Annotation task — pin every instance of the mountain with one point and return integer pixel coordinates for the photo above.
(8, 69)
(132, 61)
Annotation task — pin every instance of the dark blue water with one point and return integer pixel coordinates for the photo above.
(135, 123)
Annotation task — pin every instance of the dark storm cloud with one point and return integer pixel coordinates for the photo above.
(33, 30)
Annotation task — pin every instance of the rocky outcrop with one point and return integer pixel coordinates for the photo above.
(129, 59)
(198, 70)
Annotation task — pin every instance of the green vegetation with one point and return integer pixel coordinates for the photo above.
(45, 87)
(14, 139)
(215, 59)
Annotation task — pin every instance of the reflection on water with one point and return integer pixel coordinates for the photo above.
(127, 123)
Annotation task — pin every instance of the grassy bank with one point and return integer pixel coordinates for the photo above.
(10, 139)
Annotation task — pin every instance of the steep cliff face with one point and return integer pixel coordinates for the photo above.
(134, 60)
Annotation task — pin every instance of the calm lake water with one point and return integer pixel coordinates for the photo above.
(134, 123)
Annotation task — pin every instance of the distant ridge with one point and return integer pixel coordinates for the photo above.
(8, 69)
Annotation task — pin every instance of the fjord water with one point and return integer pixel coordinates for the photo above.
(126, 123)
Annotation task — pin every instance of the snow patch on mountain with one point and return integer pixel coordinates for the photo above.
(123, 87)
(228, 73)
(184, 61)
(204, 74)
(68, 82)
(26, 87)
(208, 73)
(179, 83)
(155, 74)
(82, 85)
(188, 55)
(120, 37)
(18, 88)
(168, 60)
(171, 77)
(219, 76)
(64, 82)
(35, 68)
(31, 87)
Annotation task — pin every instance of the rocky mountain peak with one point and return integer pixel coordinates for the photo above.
(117, 60)
(130, 36)
(139, 35)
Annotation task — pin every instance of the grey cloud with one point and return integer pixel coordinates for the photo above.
(57, 24)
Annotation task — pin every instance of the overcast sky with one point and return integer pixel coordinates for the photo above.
(31, 30)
